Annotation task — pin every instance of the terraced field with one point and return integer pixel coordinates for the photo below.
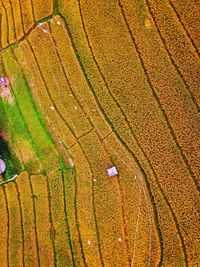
(84, 86)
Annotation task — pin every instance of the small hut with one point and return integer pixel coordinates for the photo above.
(112, 171)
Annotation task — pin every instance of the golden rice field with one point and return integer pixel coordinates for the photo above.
(85, 86)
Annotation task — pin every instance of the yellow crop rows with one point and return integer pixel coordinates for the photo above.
(15, 237)
(94, 85)
(45, 231)
(30, 242)
(3, 225)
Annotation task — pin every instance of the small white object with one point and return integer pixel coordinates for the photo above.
(52, 107)
(94, 180)
(75, 107)
(58, 22)
(112, 171)
(2, 166)
(119, 239)
(89, 242)
(135, 177)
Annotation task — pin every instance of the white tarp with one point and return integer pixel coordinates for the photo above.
(2, 166)
(112, 171)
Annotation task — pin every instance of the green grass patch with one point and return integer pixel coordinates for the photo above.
(24, 124)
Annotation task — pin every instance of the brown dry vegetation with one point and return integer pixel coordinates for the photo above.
(115, 83)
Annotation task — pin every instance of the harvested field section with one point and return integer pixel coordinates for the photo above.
(85, 213)
(178, 45)
(60, 224)
(107, 203)
(173, 95)
(4, 229)
(30, 238)
(17, 19)
(44, 229)
(10, 19)
(42, 9)
(15, 249)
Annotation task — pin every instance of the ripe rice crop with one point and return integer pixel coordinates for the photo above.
(56, 81)
(42, 9)
(183, 52)
(187, 12)
(95, 86)
(45, 231)
(59, 219)
(70, 205)
(27, 15)
(107, 202)
(7, 6)
(15, 233)
(17, 19)
(28, 215)
(4, 228)
(4, 27)
(84, 210)
(175, 99)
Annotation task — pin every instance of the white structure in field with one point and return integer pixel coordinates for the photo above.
(112, 171)
(2, 166)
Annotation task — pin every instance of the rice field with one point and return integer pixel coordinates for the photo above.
(85, 86)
